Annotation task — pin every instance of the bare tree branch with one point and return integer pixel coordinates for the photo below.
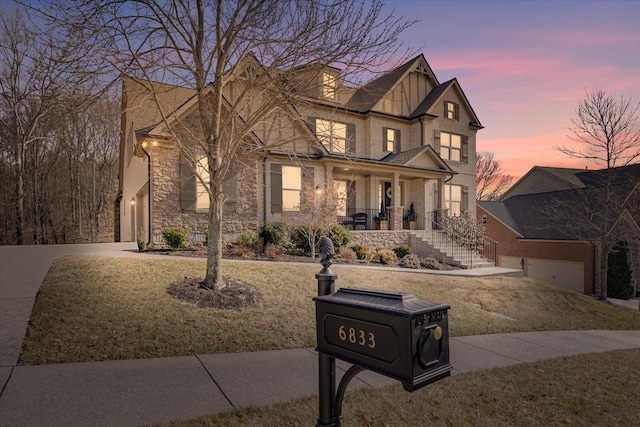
(491, 182)
(606, 129)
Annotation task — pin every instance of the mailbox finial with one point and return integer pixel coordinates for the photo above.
(327, 251)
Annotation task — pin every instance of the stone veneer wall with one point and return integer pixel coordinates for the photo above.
(388, 239)
(237, 217)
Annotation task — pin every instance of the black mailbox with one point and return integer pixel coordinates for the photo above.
(392, 333)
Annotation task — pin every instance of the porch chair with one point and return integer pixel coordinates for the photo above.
(359, 219)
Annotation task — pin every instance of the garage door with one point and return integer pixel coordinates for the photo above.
(510, 262)
(564, 274)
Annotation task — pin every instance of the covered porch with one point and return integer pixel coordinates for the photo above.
(398, 192)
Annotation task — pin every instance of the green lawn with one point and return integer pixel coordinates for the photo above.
(94, 308)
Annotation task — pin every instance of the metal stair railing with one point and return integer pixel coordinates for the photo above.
(465, 247)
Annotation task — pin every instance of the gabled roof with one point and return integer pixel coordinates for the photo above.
(412, 158)
(549, 215)
(569, 178)
(365, 98)
(526, 215)
(565, 174)
(619, 175)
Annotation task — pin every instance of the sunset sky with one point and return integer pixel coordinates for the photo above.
(525, 65)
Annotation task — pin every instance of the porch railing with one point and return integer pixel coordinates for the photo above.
(353, 218)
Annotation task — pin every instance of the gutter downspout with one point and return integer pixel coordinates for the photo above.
(148, 191)
(264, 190)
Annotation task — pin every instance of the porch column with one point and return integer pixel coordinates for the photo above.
(395, 210)
(328, 177)
(418, 191)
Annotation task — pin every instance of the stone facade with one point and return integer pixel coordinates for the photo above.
(239, 216)
(382, 239)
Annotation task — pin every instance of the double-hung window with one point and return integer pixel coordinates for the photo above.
(328, 86)
(202, 195)
(291, 188)
(340, 189)
(452, 110)
(450, 146)
(453, 199)
(390, 140)
(195, 182)
(333, 135)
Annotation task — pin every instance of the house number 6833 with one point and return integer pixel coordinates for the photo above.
(357, 336)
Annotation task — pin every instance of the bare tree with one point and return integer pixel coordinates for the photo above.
(491, 182)
(317, 212)
(606, 129)
(43, 74)
(88, 142)
(247, 60)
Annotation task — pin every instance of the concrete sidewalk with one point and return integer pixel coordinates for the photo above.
(139, 392)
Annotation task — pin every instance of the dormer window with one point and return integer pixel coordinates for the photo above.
(329, 83)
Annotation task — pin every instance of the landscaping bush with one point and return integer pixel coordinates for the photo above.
(140, 240)
(402, 251)
(340, 236)
(364, 252)
(176, 237)
(432, 263)
(620, 283)
(347, 255)
(410, 261)
(386, 256)
(248, 239)
(274, 233)
(272, 251)
(242, 251)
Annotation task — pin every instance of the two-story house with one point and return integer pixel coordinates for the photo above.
(403, 138)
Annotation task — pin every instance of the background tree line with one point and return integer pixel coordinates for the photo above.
(59, 133)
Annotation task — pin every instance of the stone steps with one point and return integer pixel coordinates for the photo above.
(425, 243)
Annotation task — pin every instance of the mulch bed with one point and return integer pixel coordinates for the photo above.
(235, 295)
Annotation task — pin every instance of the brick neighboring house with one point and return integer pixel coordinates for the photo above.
(546, 246)
(402, 138)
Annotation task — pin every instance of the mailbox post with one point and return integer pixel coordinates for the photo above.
(326, 364)
(392, 333)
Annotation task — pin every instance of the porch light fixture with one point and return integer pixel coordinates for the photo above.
(133, 201)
